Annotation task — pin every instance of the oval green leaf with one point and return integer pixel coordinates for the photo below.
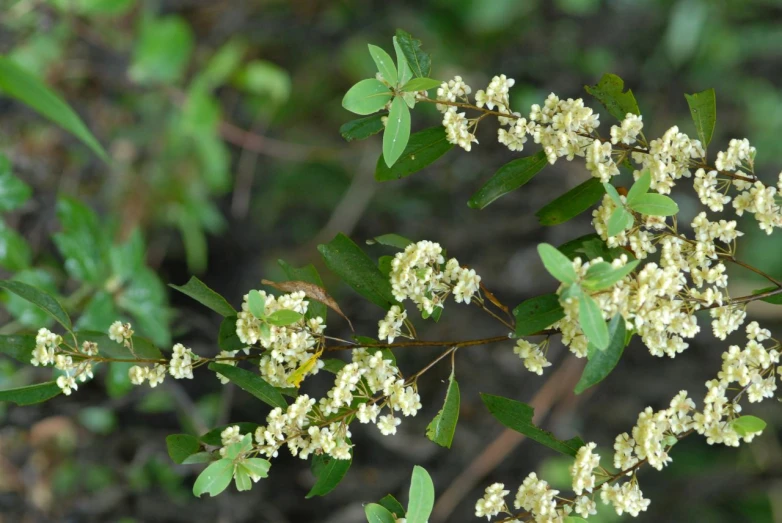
(397, 132)
(284, 317)
(592, 323)
(384, 63)
(181, 446)
(376, 513)
(31, 394)
(214, 479)
(419, 507)
(252, 383)
(423, 148)
(366, 97)
(443, 426)
(556, 263)
(201, 293)
(421, 84)
(572, 203)
(703, 108)
(362, 128)
(46, 302)
(601, 363)
(538, 313)
(508, 178)
(653, 204)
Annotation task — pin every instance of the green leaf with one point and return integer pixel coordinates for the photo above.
(640, 187)
(162, 51)
(242, 479)
(332, 365)
(746, 425)
(28, 89)
(353, 266)
(31, 394)
(362, 128)
(508, 178)
(13, 191)
(619, 221)
(421, 501)
(572, 203)
(391, 240)
(181, 446)
(284, 317)
(393, 506)
(41, 299)
(518, 416)
(329, 472)
(574, 519)
(213, 438)
(443, 426)
(384, 63)
(601, 363)
(266, 80)
(198, 457)
(226, 338)
(223, 63)
(142, 347)
(603, 275)
(538, 313)
(15, 253)
(423, 148)
(592, 323)
(215, 478)
(309, 274)
(238, 448)
(366, 97)
(571, 291)
(609, 91)
(653, 204)
(256, 302)
(252, 383)
(18, 346)
(402, 67)
(613, 194)
(378, 514)
(198, 290)
(556, 263)
(421, 84)
(419, 61)
(775, 299)
(257, 466)
(397, 131)
(703, 108)
(82, 241)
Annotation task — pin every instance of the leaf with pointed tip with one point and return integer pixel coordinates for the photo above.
(703, 108)
(640, 187)
(329, 472)
(397, 132)
(37, 297)
(421, 84)
(537, 313)
(601, 363)
(572, 203)
(746, 425)
(603, 275)
(376, 513)
(284, 317)
(393, 506)
(181, 446)
(201, 293)
(509, 177)
(556, 263)
(443, 426)
(423, 149)
(620, 221)
(28, 89)
(775, 299)
(653, 204)
(418, 60)
(252, 383)
(518, 416)
(18, 346)
(592, 323)
(391, 240)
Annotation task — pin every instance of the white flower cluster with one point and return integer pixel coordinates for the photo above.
(709, 191)
(627, 132)
(563, 127)
(390, 327)
(48, 351)
(121, 333)
(532, 355)
(180, 366)
(582, 470)
(308, 426)
(420, 273)
(493, 501)
(668, 159)
(740, 154)
(458, 129)
(287, 347)
(760, 200)
(153, 375)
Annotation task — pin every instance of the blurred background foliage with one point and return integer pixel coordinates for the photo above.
(221, 119)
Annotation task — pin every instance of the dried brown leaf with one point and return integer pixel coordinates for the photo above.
(312, 291)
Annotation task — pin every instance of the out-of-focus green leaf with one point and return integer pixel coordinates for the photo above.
(15, 254)
(508, 178)
(610, 92)
(265, 79)
(423, 148)
(18, 346)
(142, 347)
(26, 313)
(391, 240)
(518, 416)
(13, 191)
(23, 86)
(162, 51)
(572, 203)
(81, 242)
(746, 425)
(353, 266)
(40, 298)
(31, 394)
(223, 63)
(144, 298)
(776, 299)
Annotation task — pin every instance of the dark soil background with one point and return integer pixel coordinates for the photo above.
(99, 457)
